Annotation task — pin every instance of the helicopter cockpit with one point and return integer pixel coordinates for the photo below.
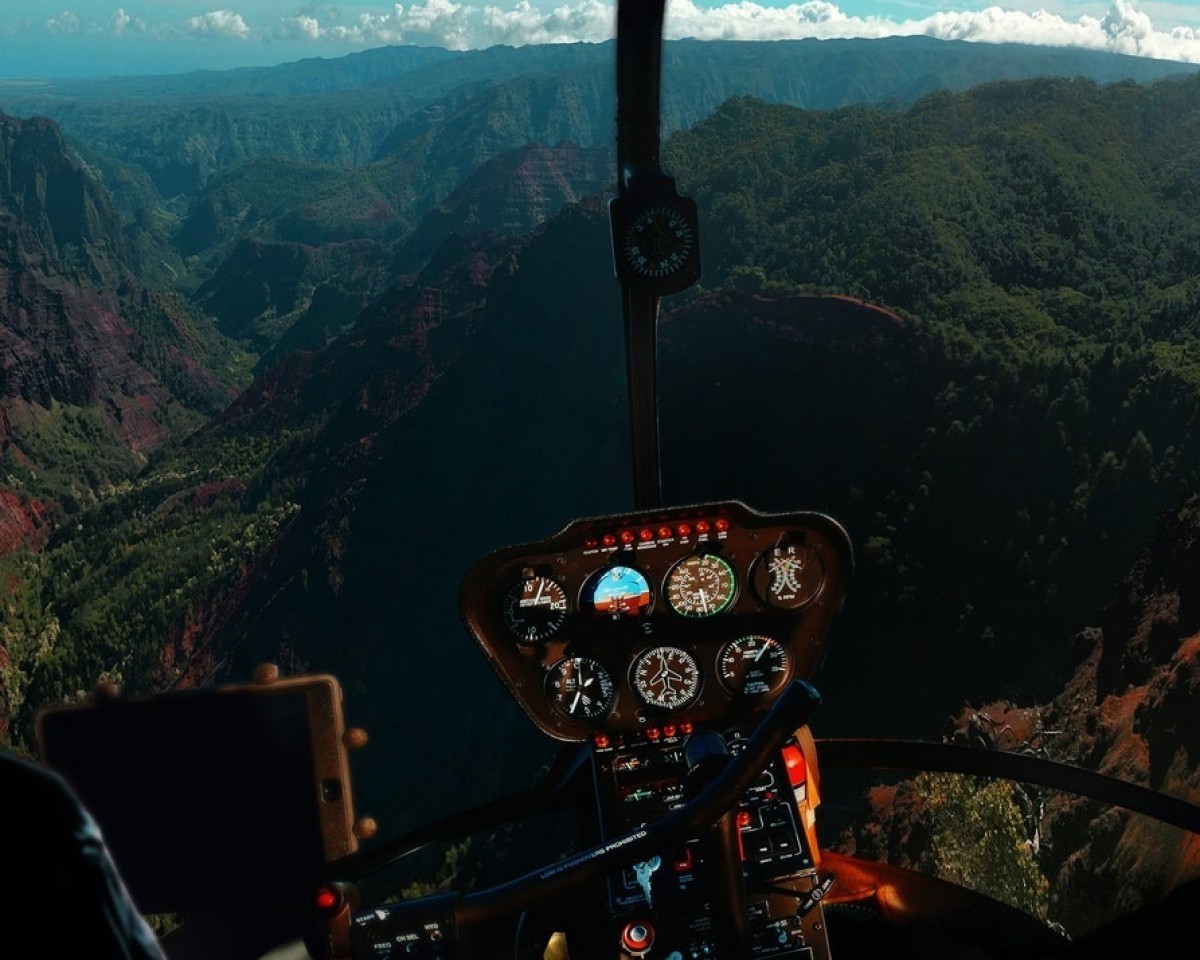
(673, 652)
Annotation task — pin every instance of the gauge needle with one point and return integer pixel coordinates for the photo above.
(703, 601)
(762, 650)
(575, 702)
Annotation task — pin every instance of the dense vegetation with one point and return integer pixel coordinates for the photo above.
(998, 444)
(1002, 459)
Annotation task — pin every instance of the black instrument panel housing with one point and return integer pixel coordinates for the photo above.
(578, 552)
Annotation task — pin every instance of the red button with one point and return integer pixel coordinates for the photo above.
(683, 860)
(793, 759)
(743, 818)
(637, 936)
(327, 899)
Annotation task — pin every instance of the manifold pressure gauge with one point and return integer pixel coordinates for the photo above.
(534, 608)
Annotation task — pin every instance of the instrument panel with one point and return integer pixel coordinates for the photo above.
(644, 622)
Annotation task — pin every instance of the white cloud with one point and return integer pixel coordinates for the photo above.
(300, 27)
(219, 24)
(1127, 27)
(65, 22)
(120, 22)
(434, 22)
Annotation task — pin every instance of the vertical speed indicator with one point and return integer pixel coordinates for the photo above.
(755, 667)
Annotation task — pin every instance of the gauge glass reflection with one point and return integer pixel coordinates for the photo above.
(754, 667)
(534, 609)
(701, 586)
(620, 592)
(666, 677)
(580, 687)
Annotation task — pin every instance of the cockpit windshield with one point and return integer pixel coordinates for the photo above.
(566, 378)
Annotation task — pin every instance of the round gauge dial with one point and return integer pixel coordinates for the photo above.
(619, 592)
(701, 586)
(666, 677)
(580, 687)
(789, 576)
(754, 667)
(658, 241)
(534, 609)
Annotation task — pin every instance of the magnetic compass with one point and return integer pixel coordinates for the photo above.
(656, 239)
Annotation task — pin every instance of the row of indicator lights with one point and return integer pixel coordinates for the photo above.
(603, 741)
(646, 534)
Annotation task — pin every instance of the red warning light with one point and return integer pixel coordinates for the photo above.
(702, 526)
(653, 733)
(664, 532)
(684, 529)
(609, 540)
(645, 534)
(601, 740)
(590, 543)
(686, 727)
(669, 730)
(722, 525)
(627, 536)
(743, 818)
(326, 899)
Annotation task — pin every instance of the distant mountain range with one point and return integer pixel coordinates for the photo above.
(967, 326)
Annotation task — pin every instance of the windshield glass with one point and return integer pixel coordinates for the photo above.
(305, 308)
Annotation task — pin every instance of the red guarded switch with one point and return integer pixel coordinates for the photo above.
(793, 759)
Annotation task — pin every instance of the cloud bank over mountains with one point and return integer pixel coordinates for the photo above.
(327, 28)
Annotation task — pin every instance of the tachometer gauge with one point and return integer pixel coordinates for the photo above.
(580, 687)
(534, 609)
(700, 586)
(789, 576)
(754, 667)
(666, 677)
(619, 592)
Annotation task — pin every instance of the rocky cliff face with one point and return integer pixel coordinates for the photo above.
(512, 193)
(1129, 711)
(80, 340)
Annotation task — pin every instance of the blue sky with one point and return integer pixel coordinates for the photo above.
(40, 38)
